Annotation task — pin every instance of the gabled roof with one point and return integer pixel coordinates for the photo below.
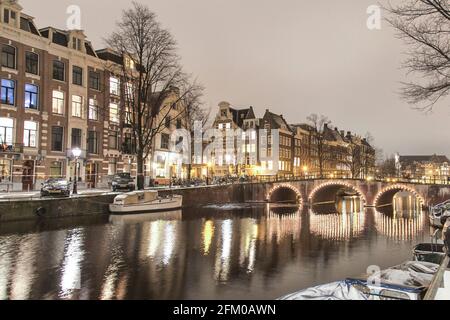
(276, 121)
(239, 116)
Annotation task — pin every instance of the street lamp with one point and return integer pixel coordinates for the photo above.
(76, 153)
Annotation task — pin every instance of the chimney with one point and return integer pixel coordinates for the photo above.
(342, 133)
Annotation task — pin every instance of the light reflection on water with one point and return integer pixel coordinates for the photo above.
(257, 252)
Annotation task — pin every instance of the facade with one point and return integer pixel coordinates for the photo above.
(57, 94)
(343, 155)
(428, 168)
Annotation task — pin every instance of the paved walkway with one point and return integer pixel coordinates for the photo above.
(36, 194)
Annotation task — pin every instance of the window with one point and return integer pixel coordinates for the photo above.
(165, 141)
(57, 138)
(8, 57)
(113, 141)
(114, 113)
(77, 76)
(58, 102)
(128, 145)
(112, 166)
(178, 123)
(114, 86)
(76, 44)
(128, 116)
(5, 170)
(8, 92)
(77, 106)
(31, 96)
(76, 138)
(58, 70)
(94, 80)
(6, 131)
(31, 62)
(56, 169)
(168, 121)
(92, 142)
(30, 134)
(6, 16)
(93, 110)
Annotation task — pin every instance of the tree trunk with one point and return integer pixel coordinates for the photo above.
(140, 171)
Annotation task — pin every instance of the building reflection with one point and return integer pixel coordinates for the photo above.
(71, 267)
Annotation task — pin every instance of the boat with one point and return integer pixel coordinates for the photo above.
(144, 202)
(439, 213)
(408, 281)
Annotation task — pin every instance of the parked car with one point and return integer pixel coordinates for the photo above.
(123, 181)
(55, 187)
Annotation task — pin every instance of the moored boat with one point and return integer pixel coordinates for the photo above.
(144, 202)
(439, 213)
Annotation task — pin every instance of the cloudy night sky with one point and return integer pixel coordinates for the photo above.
(294, 57)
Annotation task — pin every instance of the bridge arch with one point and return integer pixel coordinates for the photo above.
(291, 194)
(328, 191)
(386, 195)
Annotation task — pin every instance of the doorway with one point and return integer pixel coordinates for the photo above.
(91, 174)
(28, 175)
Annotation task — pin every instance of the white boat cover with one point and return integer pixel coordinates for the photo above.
(412, 274)
(332, 291)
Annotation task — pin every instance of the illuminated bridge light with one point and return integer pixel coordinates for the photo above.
(399, 187)
(285, 186)
(400, 228)
(338, 227)
(337, 183)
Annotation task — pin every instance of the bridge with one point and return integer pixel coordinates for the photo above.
(372, 193)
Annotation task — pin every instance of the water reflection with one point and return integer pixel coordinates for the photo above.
(337, 226)
(258, 252)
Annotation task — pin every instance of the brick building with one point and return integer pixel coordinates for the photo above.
(57, 94)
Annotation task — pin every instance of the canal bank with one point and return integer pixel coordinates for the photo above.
(97, 204)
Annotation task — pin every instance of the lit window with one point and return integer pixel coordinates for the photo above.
(58, 102)
(31, 96)
(6, 131)
(30, 134)
(114, 86)
(8, 92)
(114, 113)
(93, 110)
(76, 106)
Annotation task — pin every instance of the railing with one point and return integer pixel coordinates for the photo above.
(11, 148)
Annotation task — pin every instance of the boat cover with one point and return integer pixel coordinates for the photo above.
(333, 291)
(409, 276)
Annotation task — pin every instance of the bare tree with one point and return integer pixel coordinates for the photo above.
(319, 123)
(194, 113)
(387, 167)
(154, 83)
(425, 26)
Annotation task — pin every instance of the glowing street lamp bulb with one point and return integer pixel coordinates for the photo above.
(76, 152)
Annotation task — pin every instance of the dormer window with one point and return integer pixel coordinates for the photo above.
(9, 16)
(76, 44)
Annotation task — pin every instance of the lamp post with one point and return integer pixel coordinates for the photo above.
(76, 152)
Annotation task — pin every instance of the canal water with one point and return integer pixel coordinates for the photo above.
(217, 252)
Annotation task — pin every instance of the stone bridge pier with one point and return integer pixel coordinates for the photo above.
(372, 193)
